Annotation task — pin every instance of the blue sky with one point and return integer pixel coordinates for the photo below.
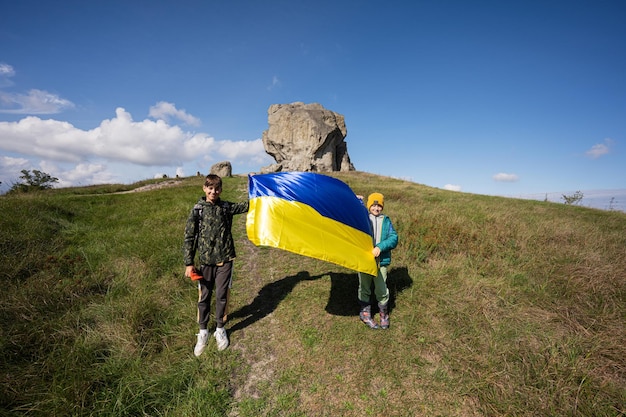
(487, 97)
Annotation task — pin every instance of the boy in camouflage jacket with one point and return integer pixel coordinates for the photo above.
(208, 234)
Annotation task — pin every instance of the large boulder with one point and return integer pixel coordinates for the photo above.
(306, 137)
(223, 169)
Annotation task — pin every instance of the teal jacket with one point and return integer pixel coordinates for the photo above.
(388, 241)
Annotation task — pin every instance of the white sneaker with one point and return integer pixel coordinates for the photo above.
(203, 337)
(221, 337)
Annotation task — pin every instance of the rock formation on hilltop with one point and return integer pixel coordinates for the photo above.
(223, 169)
(306, 137)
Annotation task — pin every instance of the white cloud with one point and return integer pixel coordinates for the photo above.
(504, 177)
(35, 102)
(6, 72)
(10, 169)
(600, 149)
(164, 110)
(452, 187)
(81, 174)
(118, 139)
(8, 162)
(252, 149)
(275, 83)
(132, 147)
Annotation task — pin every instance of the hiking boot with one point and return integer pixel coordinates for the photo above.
(221, 337)
(366, 317)
(203, 338)
(384, 316)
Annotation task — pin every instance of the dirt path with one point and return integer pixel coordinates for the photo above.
(149, 187)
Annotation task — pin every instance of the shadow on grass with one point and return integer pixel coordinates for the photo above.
(342, 300)
(343, 291)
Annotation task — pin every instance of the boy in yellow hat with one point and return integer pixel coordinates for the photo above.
(385, 239)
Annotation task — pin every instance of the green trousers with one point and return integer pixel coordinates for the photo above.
(380, 286)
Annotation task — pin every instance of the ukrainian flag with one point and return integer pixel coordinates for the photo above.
(312, 215)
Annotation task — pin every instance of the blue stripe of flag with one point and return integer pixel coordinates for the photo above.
(328, 196)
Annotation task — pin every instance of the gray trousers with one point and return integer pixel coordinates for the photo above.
(219, 277)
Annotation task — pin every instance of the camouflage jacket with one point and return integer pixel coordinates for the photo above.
(208, 232)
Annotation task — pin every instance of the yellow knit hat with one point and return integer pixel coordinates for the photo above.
(375, 198)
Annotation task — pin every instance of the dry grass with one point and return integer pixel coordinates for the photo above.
(500, 307)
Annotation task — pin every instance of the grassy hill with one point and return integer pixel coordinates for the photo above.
(500, 307)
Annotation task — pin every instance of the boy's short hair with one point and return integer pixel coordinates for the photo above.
(213, 180)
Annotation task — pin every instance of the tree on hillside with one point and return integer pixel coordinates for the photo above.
(573, 199)
(33, 180)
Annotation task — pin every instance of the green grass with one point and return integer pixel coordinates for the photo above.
(500, 307)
